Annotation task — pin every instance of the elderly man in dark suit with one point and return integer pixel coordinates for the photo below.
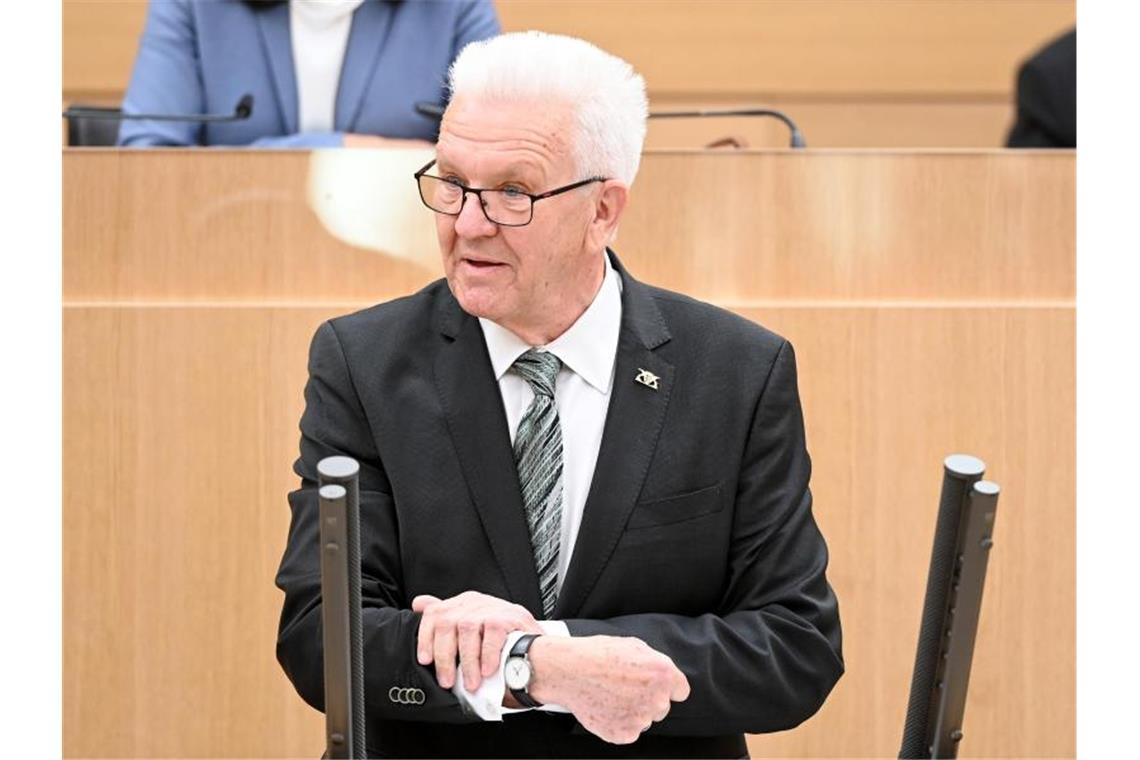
(586, 522)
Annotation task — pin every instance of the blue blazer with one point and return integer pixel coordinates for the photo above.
(201, 57)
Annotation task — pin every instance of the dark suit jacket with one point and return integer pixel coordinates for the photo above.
(1047, 97)
(697, 537)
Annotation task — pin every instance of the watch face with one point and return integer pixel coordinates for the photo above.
(517, 673)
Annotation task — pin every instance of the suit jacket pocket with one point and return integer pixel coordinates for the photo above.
(674, 509)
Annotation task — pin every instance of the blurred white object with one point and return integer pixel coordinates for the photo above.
(368, 199)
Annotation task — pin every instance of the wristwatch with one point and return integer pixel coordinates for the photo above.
(518, 671)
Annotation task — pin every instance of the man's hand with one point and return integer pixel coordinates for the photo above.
(472, 625)
(616, 686)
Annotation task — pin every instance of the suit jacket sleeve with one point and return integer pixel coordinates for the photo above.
(166, 79)
(1047, 97)
(476, 21)
(767, 659)
(334, 423)
(1036, 126)
(301, 140)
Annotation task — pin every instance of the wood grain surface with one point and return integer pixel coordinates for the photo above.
(728, 227)
(952, 48)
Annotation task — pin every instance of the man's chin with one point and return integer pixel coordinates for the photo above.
(479, 302)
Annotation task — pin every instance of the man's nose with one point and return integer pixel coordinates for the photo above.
(472, 222)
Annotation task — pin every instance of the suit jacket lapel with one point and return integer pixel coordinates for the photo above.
(369, 32)
(633, 425)
(277, 43)
(477, 422)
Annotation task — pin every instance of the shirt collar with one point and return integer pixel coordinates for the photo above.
(588, 347)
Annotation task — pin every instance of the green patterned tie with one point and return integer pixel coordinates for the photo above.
(538, 456)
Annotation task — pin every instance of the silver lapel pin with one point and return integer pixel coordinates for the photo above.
(647, 378)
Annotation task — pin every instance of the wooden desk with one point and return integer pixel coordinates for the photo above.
(930, 297)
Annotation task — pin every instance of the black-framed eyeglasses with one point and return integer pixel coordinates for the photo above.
(507, 206)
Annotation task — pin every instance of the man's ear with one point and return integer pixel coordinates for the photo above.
(608, 209)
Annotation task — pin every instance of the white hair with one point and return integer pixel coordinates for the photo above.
(607, 95)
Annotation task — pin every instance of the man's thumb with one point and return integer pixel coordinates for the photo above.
(422, 602)
(680, 687)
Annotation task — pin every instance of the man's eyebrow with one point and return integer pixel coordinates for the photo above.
(520, 170)
(442, 166)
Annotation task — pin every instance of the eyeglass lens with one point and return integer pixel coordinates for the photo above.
(501, 206)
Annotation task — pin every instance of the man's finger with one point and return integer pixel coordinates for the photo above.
(680, 690)
(494, 637)
(425, 640)
(470, 648)
(443, 651)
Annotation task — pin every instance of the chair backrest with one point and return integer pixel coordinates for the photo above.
(85, 131)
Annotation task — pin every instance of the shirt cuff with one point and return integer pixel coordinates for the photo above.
(487, 700)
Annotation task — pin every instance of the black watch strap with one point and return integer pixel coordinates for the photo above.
(520, 649)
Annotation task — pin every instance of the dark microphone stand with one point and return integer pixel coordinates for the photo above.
(242, 111)
(435, 110)
(797, 140)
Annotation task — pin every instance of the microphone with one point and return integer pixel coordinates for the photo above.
(243, 110)
(436, 111)
(432, 110)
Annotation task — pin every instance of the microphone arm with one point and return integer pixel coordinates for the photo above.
(797, 140)
(435, 110)
(243, 110)
(431, 110)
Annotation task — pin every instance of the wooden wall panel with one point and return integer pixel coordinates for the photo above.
(183, 225)
(226, 226)
(180, 429)
(854, 225)
(782, 47)
(100, 39)
(888, 393)
(175, 517)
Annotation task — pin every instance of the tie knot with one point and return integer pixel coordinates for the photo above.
(539, 369)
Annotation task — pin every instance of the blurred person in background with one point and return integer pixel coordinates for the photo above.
(322, 73)
(1047, 97)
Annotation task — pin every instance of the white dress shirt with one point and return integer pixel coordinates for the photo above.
(319, 30)
(588, 350)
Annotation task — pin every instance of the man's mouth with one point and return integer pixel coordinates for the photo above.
(482, 263)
